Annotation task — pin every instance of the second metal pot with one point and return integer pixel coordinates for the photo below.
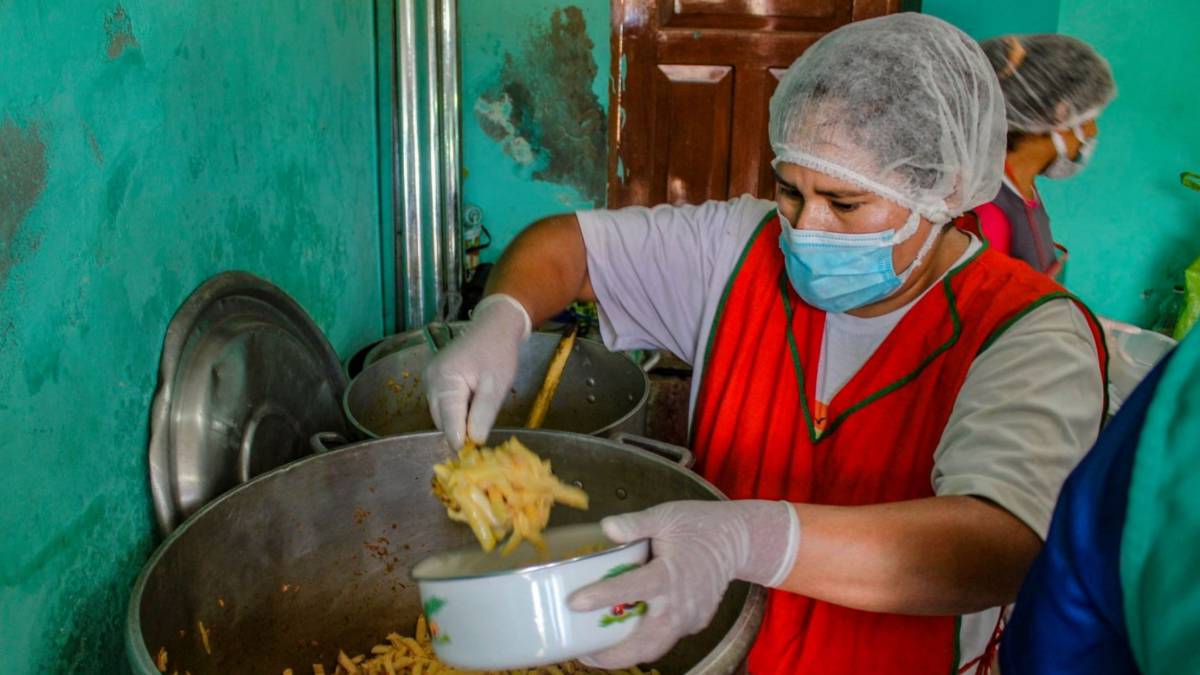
(601, 393)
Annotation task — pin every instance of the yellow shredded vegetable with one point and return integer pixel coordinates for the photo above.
(409, 656)
(501, 490)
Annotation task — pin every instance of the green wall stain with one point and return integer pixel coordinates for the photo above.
(145, 147)
(54, 546)
(22, 179)
(119, 29)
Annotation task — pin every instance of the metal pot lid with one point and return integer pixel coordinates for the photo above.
(246, 378)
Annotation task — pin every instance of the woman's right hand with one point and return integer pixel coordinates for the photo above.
(467, 381)
(698, 548)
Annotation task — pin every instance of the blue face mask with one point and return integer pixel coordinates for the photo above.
(838, 272)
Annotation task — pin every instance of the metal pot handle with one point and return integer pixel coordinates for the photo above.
(437, 335)
(678, 454)
(651, 361)
(325, 441)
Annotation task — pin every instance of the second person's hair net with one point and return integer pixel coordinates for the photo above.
(1050, 81)
(905, 106)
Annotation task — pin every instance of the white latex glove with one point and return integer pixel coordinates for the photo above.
(467, 381)
(697, 548)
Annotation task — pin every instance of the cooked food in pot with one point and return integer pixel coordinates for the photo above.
(414, 656)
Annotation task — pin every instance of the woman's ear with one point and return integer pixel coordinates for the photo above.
(954, 200)
(1061, 111)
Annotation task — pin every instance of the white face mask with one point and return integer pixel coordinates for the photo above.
(1063, 166)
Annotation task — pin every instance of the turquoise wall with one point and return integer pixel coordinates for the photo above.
(145, 146)
(982, 20)
(1129, 224)
(534, 102)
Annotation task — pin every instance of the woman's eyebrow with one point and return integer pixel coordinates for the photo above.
(842, 194)
(831, 193)
(779, 179)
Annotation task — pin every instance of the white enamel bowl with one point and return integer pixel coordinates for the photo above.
(489, 612)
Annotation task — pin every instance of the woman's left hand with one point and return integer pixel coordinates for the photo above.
(697, 548)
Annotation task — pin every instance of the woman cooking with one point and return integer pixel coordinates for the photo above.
(891, 405)
(1055, 88)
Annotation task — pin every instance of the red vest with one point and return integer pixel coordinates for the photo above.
(755, 437)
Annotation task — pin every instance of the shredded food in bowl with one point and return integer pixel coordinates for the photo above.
(501, 490)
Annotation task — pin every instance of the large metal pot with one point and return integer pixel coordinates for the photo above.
(602, 392)
(315, 556)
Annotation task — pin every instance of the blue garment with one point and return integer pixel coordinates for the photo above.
(1070, 616)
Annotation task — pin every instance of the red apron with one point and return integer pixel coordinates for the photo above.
(755, 437)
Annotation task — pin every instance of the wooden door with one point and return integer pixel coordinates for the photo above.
(691, 81)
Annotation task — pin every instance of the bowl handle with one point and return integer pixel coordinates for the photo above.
(437, 335)
(678, 454)
(324, 441)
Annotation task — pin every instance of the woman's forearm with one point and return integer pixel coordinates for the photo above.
(545, 268)
(936, 556)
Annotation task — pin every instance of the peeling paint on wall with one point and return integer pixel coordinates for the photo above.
(495, 118)
(22, 179)
(543, 110)
(119, 29)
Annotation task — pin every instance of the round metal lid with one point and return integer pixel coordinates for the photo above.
(246, 378)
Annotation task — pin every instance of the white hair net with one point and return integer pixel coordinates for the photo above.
(905, 106)
(1050, 81)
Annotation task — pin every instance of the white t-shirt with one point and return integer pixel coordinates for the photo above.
(1027, 412)
(850, 340)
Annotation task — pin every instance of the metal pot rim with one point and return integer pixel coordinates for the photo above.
(748, 619)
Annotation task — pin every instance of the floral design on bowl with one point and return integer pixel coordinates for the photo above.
(432, 607)
(623, 613)
(626, 611)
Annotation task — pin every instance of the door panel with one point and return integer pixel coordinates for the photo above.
(693, 132)
(755, 14)
(763, 171)
(785, 8)
(690, 88)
